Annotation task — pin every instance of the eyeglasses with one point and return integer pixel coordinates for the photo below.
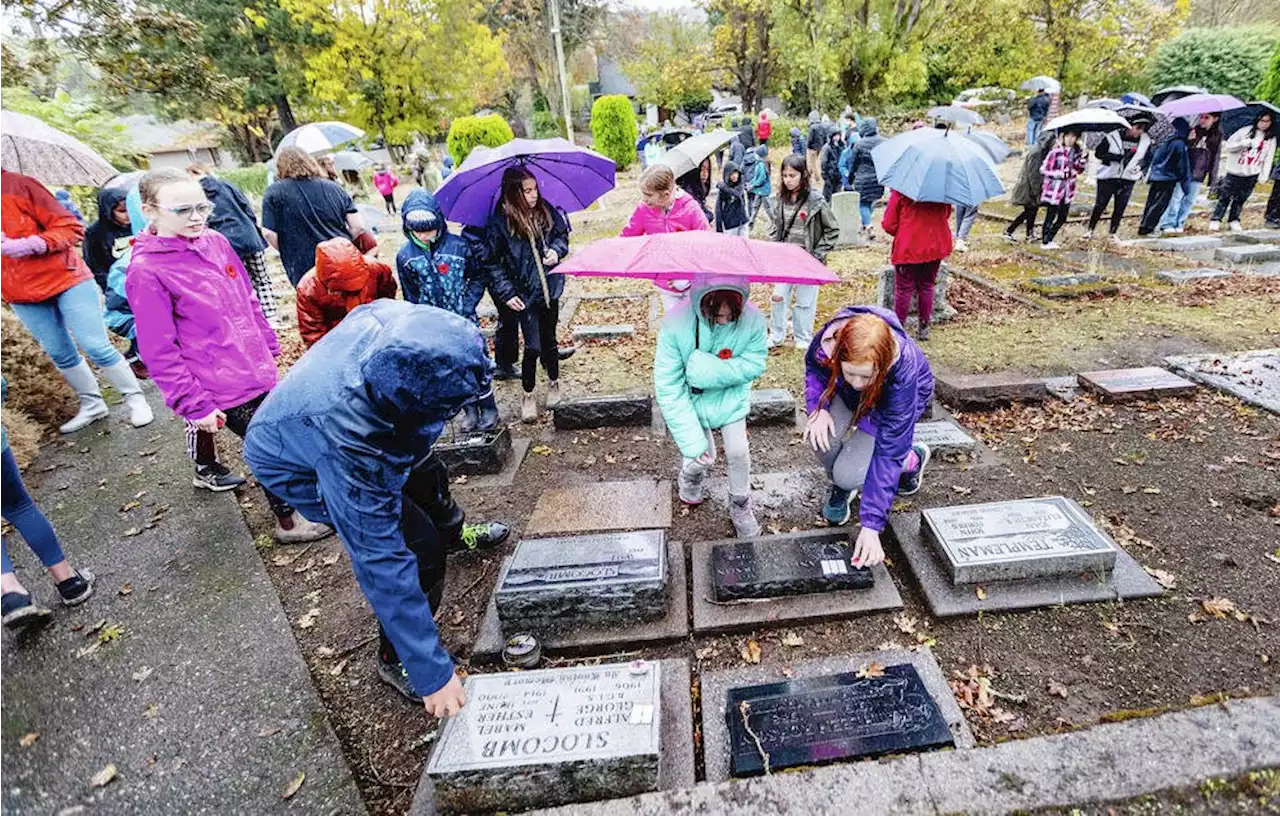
(201, 210)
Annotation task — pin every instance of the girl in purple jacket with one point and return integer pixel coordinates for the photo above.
(866, 385)
(201, 331)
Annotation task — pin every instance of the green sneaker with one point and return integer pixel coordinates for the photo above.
(486, 536)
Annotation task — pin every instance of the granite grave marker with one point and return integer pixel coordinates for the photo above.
(746, 569)
(944, 437)
(1121, 384)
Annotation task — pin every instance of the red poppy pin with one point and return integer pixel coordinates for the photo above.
(442, 268)
(804, 215)
(725, 354)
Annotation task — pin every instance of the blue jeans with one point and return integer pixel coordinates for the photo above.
(76, 312)
(20, 511)
(1034, 127)
(1175, 216)
(965, 216)
(864, 209)
(802, 314)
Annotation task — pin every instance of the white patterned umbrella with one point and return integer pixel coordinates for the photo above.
(32, 148)
(320, 137)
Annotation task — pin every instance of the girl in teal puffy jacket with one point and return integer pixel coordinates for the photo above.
(710, 350)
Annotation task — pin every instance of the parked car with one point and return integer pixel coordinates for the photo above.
(986, 99)
(718, 113)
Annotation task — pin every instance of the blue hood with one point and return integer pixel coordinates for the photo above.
(448, 161)
(137, 220)
(108, 198)
(421, 210)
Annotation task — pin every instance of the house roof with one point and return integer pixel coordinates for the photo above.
(612, 79)
(150, 135)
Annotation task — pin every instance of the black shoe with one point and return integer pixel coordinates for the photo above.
(486, 536)
(394, 675)
(216, 477)
(506, 372)
(21, 613)
(565, 352)
(488, 418)
(77, 589)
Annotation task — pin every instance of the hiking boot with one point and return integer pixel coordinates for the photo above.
(691, 492)
(21, 613)
(469, 419)
(506, 372)
(922, 333)
(217, 478)
(743, 517)
(909, 483)
(394, 675)
(529, 409)
(553, 393)
(294, 529)
(565, 352)
(487, 416)
(836, 511)
(485, 536)
(77, 589)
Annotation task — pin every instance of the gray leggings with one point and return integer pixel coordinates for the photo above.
(848, 460)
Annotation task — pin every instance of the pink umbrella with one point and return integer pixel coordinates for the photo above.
(684, 255)
(1197, 104)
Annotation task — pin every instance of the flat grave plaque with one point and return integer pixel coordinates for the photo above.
(1248, 253)
(638, 504)
(981, 392)
(747, 569)
(585, 578)
(1180, 276)
(1253, 376)
(810, 721)
(542, 738)
(1135, 383)
(944, 437)
(1012, 540)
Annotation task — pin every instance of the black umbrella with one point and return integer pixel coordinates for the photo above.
(1233, 120)
(1175, 92)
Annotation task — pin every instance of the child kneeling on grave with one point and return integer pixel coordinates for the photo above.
(710, 350)
(867, 384)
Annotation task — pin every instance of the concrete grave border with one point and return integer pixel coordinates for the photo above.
(1189, 366)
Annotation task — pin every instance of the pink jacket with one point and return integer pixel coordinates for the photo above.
(385, 182)
(200, 329)
(685, 215)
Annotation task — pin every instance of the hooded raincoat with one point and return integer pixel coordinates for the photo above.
(341, 280)
(862, 170)
(508, 263)
(685, 214)
(907, 393)
(731, 200)
(339, 436)
(106, 239)
(440, 273)
(702, 371)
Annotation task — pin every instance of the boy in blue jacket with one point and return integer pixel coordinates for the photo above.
(760, 187)
(1170, 168)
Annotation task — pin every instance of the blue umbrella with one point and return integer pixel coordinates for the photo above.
(569, 177)
(993, 144)
(936, 165)
(1135, 98)
(320, 137)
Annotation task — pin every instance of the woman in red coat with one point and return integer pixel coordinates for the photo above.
(341, 280)
(921, 233)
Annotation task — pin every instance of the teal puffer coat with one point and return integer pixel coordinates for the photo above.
(719, 362)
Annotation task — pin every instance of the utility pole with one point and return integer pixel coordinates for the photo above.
(564, 76)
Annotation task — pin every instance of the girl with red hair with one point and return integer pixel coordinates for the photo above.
(866, 385)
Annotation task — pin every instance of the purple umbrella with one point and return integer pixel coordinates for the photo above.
(1197, 104)
(569, 177)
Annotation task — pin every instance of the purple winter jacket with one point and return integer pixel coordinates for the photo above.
(907, 393)
(200, 328)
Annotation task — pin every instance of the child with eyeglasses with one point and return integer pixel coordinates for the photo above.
(201, 331)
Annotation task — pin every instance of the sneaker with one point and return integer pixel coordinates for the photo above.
(1115, 239)
(217, 478)
(553, 393)
(1271, 224)
(139, 369)
(962, 246)
(485, 536)
(836, 511)
(909, 484)
(923, 332)
(1088, 236)
(394, 675)
(1175, 230)
(1051, 245)
(300, 530)
(774, 345)
(529, 409)
(1235, 226)
(77, 589)
(1008, 238)
(1215, 226)
(743, 517)
(21, 613)
(565, 352)
(506, 372)
(691, 492)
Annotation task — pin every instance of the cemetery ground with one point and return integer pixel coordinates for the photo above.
(1187, 486)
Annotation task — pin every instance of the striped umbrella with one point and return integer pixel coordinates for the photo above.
(32, 148)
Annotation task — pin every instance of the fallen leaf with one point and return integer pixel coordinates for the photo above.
(287, 558)
(963, 491)
(103, 777)
(101, 623)
(125, 589)
(751, 652)
(330, 560)
(309, 619)
(543, 450)
(871, 671)
(1214, 502)
(1155, 491)
(906, 624)
(310, 562)
(337, 670)
(1218, 607)
(110, 633)
(270, 731)
(293, 787)
(130, 505)
(1164, 579)
(132, 531)
(1128, 489)
(981, 593)
(143, 673)
(90, 649)
(29, 739)
(324, 651)
(790, 638)
(151, 712)
(1056, 689)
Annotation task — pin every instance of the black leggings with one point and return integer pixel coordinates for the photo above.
(1109, 189)
(1273, 203)
(201, 445)
(538, 326)
(1159, 194)
(1028, 217)
(1233, 192)
(1053, 220)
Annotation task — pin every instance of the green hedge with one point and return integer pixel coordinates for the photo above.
(467, 132)
(780, 136)
(1230, 60)
(1269, 88)
(613, 128)
(251, 179)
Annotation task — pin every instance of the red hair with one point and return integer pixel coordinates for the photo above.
(865, 338)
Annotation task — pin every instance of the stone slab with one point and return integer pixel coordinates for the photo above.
(1181, 243)
(1127, 581)
(507, 477)
(1064, 281)
(804, 722)
(1063, 388)
(942, 310)
(712, 616)
(1270, 269)
(716, 686)
(1150, 382)
(610, 331)
(773, 492)
(615, 410)
(575, 579)
(1253, 376)
(480, 454)
(1248, 253)
(600, 639)
(772, 406)
(1180, 276)
(844, 206)
(632, 505)
(744, 570)
(980, 392)
(1018, 539)
(202, 618)
(1257, 236)
(944, 437)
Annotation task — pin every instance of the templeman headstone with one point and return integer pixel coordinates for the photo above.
(535, 739)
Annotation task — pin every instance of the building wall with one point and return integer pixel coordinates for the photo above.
(181, 158)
